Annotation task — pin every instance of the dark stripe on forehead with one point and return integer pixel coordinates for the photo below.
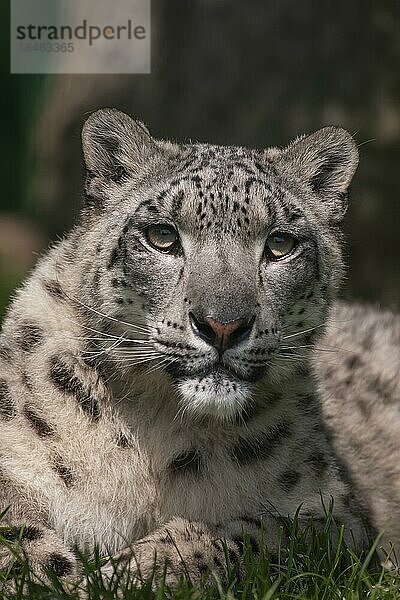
(177, 202)
(283, 201)
(161, 195)
(156, 204)
(266, 169)
(295, 214)
(251, 181)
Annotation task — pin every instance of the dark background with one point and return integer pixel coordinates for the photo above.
(254, 73)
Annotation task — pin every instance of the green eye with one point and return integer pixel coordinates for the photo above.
(279, 244)
(162, 237)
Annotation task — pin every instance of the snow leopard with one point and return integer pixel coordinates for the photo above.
(177, 375)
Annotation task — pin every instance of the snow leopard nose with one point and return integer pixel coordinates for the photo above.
(221, 335)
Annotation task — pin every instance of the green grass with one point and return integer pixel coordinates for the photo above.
(310, 566)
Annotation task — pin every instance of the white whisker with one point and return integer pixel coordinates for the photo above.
(131, 359)
(286, 337)
(103, 333)
(133, 363)
(167, 360)
(101, 314)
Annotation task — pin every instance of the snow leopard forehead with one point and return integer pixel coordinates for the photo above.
(223, 192)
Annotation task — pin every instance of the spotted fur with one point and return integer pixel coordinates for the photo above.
(119, 422)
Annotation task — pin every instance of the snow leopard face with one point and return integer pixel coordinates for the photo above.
(223, 261)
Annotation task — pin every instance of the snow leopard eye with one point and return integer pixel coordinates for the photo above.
(162, 237)
(279, 244)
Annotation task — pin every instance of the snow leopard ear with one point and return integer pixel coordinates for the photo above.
(115, 148)
(326, 160)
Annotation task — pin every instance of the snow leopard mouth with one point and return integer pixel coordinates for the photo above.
(218, 373)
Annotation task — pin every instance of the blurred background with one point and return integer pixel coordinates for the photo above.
(254, 73)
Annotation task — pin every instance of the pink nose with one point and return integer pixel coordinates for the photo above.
(222, 335)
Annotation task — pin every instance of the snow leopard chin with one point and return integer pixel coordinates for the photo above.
(214, 395)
